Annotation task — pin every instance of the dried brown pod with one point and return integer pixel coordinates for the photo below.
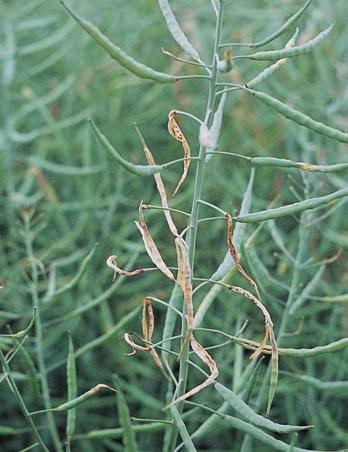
(202, 353)
(111, 262)
(160, 186)
(177, 134)
(185, 281)
(151, 247)
(234, 254)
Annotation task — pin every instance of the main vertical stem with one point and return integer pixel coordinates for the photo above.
(193, 224)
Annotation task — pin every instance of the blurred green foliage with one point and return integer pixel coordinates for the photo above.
(61, 193)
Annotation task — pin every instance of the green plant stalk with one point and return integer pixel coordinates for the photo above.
(39, 341)
(21, 402)
(193, 223)
(301, 250)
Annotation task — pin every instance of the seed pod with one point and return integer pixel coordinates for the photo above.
(72, 390)
(285, 27)
(284, 163)
(250, 415)
(266, 73)
(201, 352)
(227, 262)
(151, 247)
(274, 369)
(118, 54)
(176, 132)
(141, 170)
(148, 326)
(291, 209)
(293, 51)
(289, 23)
(111, 262)
(160, 186)
(185, 280)
(176, 31)
(234, 254)
(299, 117)
(82, 398)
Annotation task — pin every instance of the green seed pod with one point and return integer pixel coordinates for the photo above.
(141, 170)
(176, 31)
(266, 73)
(289, 23)
(72, 389)
(299, 117)
(291, 52)
(254, 418)
(118, 54)
(291, 209)
(285, 27)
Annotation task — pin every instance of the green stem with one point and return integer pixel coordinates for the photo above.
(194, 219)
(39, 339)
(21, 402)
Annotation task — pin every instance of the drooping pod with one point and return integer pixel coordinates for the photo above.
(141, 170)
(299, 117)
(227, 263)
(292, 52)
(118, 54)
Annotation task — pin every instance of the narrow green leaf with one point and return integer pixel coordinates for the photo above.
(128, 436)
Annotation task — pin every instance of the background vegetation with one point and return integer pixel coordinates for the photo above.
(61, 194)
